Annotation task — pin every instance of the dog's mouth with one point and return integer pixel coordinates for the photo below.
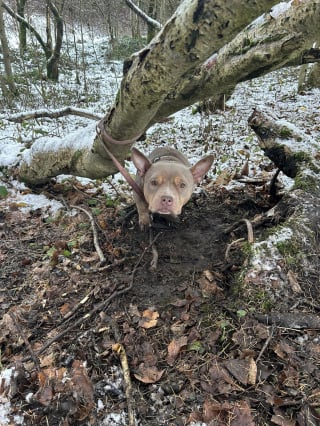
(166, 211)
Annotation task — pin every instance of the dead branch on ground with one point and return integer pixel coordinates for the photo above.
(95, 234)
(56, 113)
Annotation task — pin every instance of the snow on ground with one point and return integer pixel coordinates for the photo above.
(225, 134)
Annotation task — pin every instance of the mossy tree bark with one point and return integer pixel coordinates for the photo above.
(290, 255)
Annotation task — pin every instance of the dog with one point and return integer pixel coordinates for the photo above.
(167, 181)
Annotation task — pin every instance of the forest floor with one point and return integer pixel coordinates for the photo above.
(198, 348)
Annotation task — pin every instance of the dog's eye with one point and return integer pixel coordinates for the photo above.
(154, 182)
(182, 185)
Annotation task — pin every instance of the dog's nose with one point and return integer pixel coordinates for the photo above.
(166, 200)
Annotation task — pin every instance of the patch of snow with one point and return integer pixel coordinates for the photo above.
(77, 140)
(115, 419)
(279, 9)
(6, 418)
(198, 424)
(27, 202)
(266, 254)
(10, 153)
(5, 409)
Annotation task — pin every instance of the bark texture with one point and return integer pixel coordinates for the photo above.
(290, 254)
(263, 46)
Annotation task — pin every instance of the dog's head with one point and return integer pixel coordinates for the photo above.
(168, 184)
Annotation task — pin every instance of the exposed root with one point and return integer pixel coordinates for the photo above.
(95, 234)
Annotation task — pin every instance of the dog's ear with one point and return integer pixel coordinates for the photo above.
(141, 162)
(201, 168)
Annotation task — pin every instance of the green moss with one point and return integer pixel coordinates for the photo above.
(285, 132)
(76, 157)
(125, 47)
(306, 183)
(303, 156)
(289, 250)
(252, 297)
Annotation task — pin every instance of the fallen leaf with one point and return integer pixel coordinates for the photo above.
(174, 348)
(233, 414)
(292, 278)
(65, 309)
(82, 390)
(224, 178)
(282, 349)
(47, 360)
(149, 319)
(134, 311)
(45, 394)
(208, 287)
(244, 370)
(245, 169)
(252, 372)
(279, 419)
(178, 328)
(148, 374)
(179, 303)
(219, 380)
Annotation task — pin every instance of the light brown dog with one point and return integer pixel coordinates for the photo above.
(167, 181)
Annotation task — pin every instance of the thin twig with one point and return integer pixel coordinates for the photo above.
(155, 254)
(266, 343)
(104, 268)
(120, 350)
(229, 246)
(250, 230)
(57, 113)
(34, 357)
(95, 234)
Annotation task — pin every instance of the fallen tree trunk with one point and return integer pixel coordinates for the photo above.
(291, 251)
(195, 31)
(268, 44)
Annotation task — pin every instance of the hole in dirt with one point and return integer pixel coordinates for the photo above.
(195, 243)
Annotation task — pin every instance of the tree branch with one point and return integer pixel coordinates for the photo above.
(143, 15)
(56, 113)
(265, 45)
(188, 38)
(289, 148)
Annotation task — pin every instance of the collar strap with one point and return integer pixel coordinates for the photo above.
(103, 137)
(165, 157)
(101, 131)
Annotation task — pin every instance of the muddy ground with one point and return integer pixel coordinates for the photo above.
(197, 351)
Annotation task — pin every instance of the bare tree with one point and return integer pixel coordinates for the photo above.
(22, 26)
(51, 49)
(6, 56)
(152, 24)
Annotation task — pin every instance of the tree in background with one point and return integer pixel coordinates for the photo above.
(7, 82)
(52, 49)
(22, 26)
